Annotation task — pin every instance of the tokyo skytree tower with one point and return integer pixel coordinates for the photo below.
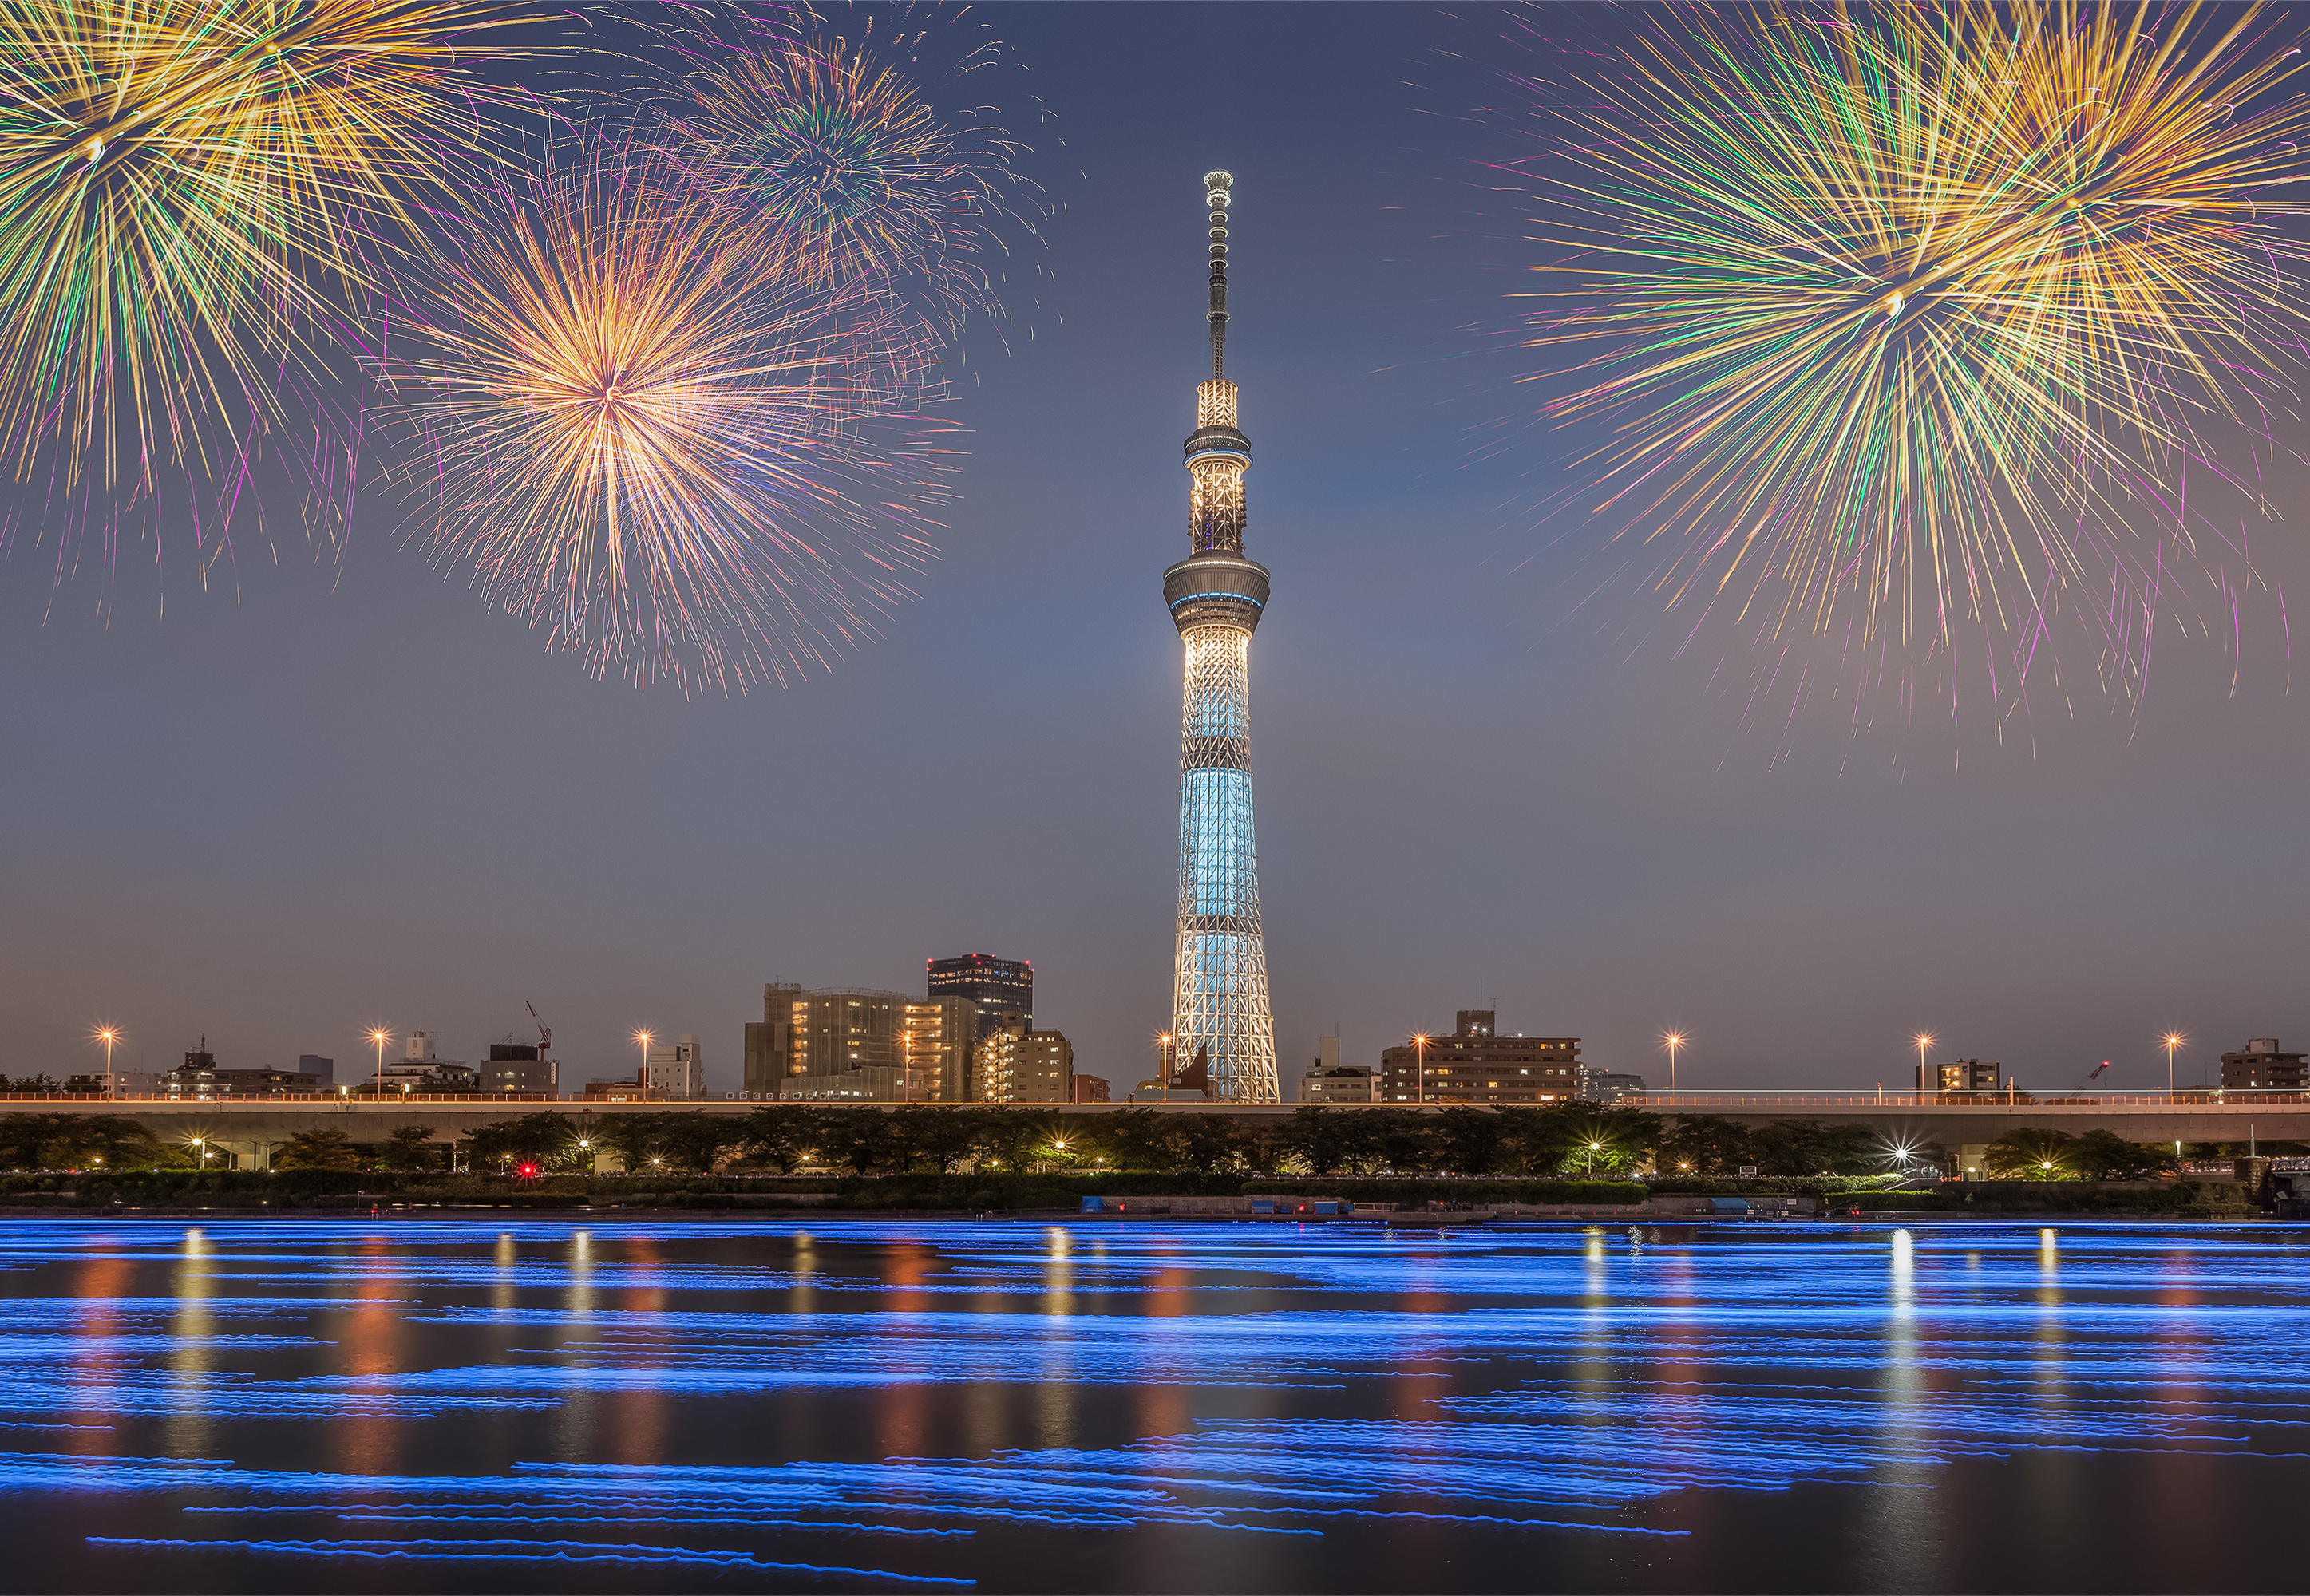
(1220, 1016)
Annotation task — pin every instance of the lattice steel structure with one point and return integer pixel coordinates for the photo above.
(1220, 1016)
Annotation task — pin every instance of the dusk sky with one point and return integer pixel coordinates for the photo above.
(321, 795)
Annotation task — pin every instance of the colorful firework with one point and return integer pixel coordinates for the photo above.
(836, 155)
(651, 440)
(185, 188)
(1916, 317)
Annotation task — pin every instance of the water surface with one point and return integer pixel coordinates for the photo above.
(629, 1405)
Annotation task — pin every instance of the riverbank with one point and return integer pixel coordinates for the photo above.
(176, 1194)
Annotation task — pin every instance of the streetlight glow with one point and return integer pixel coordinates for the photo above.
(109, 1035)
(1672, 1041)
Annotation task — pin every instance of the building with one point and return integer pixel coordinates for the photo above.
(937, 1036)
(2261, 1068)
(1327, 1080)
(1091, 1089)
(428, 1077)
(323, 1069)
(197, 1076)
(1002, 989)
(521, 1068)
(1474, 1064)
(674, 1071)
(1958, 1076)
(1218, 964)
(1602, 1086)
(123, 1083)
(769, 1045)
(1342, 1083)
(845, 1044)
(1017, 1065)
(619, 1089)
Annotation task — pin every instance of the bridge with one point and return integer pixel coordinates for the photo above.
(247, 1129)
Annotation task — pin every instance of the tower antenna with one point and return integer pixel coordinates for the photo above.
(1219, 194)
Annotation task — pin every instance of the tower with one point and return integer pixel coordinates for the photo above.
(1220, 1015)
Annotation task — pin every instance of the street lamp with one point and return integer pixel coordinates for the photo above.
(2170, 1041)
(1924, 1039)
(1419, 1072)
(380, 1035)
(642, 1041)
(1672, 1041)
(108, 1036)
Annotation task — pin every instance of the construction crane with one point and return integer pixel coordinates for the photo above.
(544, 1046)
(2091, 1076)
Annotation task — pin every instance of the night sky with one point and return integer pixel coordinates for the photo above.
(321, 795)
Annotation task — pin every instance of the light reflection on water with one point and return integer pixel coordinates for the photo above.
(639, 1405)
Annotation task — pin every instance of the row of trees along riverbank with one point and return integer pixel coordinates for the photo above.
(1575, 1141)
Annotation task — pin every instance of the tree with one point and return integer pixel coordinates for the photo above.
(1317, 1136)
(329, 1149)
(1807, 1147)
(1136, 1138)
(778, 1134)
(633, 1137)
(1394, 1139)
(1265, 1145)
(946, 1134)
(2030, 1153)
(1470, 1141)
(859, 1138)
(1704, 1144)
(1206, 1143)
(543, 1138)
(2103, 1155)
(695, 1141)
(1009, 1136)
(409, 1148)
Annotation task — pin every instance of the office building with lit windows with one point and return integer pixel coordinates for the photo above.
(938, 1036)
(1002, 989)
(1475, 1064)
(1017, 1065)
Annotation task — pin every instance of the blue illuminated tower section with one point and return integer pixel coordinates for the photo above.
(1220, 1016)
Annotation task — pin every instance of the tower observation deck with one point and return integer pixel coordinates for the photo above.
(1220, 1015)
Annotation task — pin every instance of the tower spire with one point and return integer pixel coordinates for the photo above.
(1219, 194)
(1220, 1008)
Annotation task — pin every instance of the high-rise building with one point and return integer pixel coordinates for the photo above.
(323, 1069)
(1017, 1065)
(1219, 1009)
(675, 1071)
(1475, 1064)
(1004, 989)
(939, 1035)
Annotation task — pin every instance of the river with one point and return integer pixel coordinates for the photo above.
(638, 1404)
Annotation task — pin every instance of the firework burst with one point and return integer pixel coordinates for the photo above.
(1911, 319)
(657, 442)
(836, 156)
(185, 187)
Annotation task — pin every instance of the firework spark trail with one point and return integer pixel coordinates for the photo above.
(833, 151)
(669, 448)
(1919, 309)
(185, 190)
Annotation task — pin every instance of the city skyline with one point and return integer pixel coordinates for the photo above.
(310, 797)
